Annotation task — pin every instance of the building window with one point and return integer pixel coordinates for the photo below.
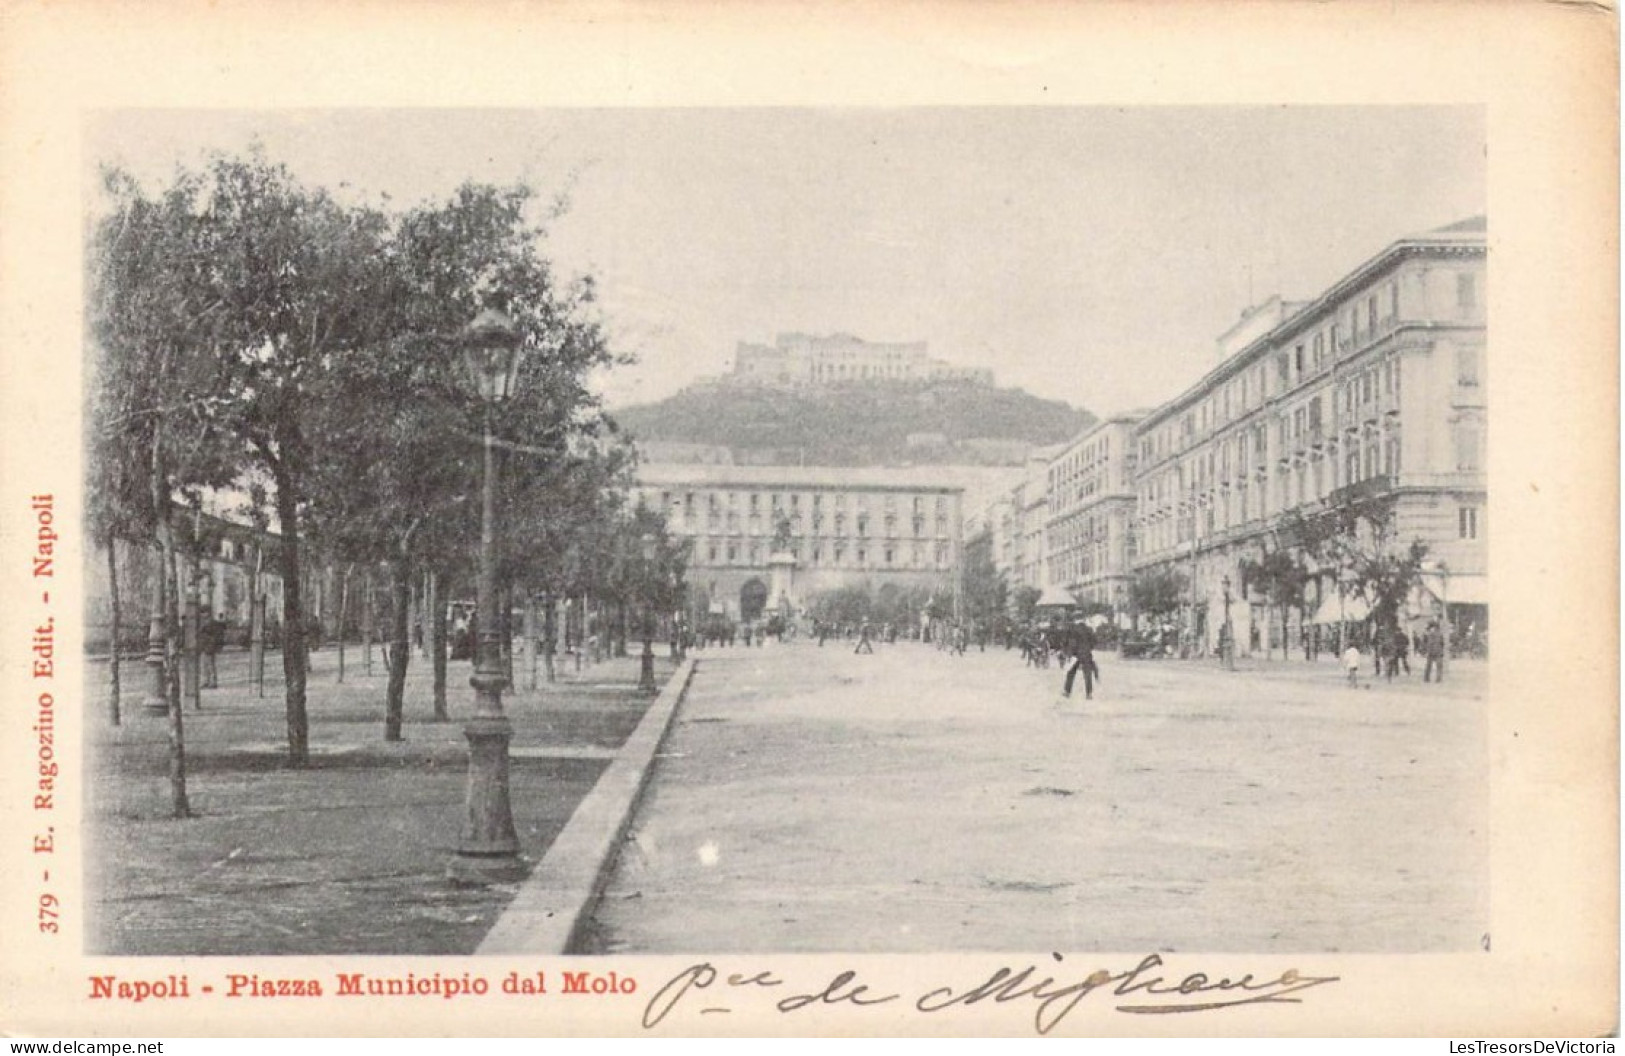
(1467, 366)
(1466, 290)
(1469, 441)
(1467, 522)
(733, 553)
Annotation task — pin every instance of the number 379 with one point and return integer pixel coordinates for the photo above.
(48, 905)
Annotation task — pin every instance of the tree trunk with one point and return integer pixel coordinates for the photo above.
(159, 484)
(529, 651)
(256, 642)
(437, 645)
(400, 590)
(420, 641)
(366, 622)
(191, 665)
(113, 595)
(549, 630)
(293, 621)
(172, 683)
(256, 619)
(344, 614)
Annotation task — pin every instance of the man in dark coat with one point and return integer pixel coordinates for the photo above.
(211, 639)
(1433, 650)
(1079, 643)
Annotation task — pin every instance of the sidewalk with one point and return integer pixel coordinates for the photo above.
(348, 855)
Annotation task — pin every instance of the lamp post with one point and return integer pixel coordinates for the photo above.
(646, 672)
(489, 849)
(1227, 634)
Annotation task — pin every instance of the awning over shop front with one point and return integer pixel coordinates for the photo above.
(1458, 590)
(1351, 608)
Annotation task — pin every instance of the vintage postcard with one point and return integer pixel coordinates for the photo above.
(900, 520)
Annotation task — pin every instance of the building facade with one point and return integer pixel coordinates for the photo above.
(1089, 528)
(1374, 388)
(796, 531)
(807, 359)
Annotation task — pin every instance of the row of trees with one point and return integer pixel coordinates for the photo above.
(1351, 547)
(890, 603)
(257, 335)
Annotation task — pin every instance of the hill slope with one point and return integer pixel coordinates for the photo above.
(868, 423)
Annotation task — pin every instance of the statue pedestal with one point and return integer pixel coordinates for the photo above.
(781, 591)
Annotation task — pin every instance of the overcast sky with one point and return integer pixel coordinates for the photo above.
(1085, 254)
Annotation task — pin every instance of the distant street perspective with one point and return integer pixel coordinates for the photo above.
(662, 531)
(913, 800)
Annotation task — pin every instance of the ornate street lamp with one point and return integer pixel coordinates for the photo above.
(489, 849)
(646, 673)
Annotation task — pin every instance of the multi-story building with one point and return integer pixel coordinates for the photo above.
(1018, 517)
(1088, 535)
(1375, 387)
(806, 359)
(788, 532)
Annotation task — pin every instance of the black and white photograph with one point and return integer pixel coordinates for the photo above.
(1065, 526)
(1024, 563)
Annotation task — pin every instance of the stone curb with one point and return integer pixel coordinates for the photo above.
(554, 901)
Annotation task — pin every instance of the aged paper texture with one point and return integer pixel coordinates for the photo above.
(85, 83)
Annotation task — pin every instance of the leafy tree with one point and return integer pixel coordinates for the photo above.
(1357, 544)
(1024, 604)
(152, 432)
(1158, 591)
(848, 604)
(1279, 574)
(299, 284)
(986, 592)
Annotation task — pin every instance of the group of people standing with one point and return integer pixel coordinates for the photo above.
(1391, 651)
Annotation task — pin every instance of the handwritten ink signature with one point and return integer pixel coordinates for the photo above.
(1142, 990)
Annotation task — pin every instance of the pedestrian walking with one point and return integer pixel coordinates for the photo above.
(1433, 650)
(211, 639)
(864, 645)
(1351, 664)
(1080, 645)
(1402, 651)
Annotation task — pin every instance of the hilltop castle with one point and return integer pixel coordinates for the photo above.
(808, 359)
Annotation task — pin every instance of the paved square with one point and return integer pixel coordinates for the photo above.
(911, 801)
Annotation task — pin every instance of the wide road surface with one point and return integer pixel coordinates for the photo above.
(812, 800)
